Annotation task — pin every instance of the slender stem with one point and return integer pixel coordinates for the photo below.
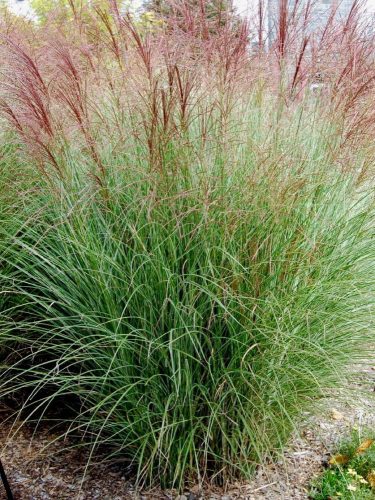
(5, 482)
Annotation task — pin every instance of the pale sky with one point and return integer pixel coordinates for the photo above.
(244, 6)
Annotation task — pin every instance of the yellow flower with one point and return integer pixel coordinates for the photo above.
(352, 472)
(363, 480)
(351, 487)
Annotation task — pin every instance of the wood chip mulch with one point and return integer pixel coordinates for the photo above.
(41, 467)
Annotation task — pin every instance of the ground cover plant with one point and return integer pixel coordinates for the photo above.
(351, 472)
(189, 263)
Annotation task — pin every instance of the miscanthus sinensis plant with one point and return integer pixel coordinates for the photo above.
(191, 266)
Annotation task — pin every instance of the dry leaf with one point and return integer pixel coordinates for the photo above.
(336, 415)
(371, 478)
(339, 459)
(364, 446)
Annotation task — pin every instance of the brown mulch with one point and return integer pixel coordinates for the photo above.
(41, 467)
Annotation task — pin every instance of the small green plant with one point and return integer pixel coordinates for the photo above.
(351, 472)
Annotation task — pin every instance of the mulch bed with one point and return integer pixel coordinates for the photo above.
(40, 466)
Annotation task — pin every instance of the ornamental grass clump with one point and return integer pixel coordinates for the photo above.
(191, 268)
